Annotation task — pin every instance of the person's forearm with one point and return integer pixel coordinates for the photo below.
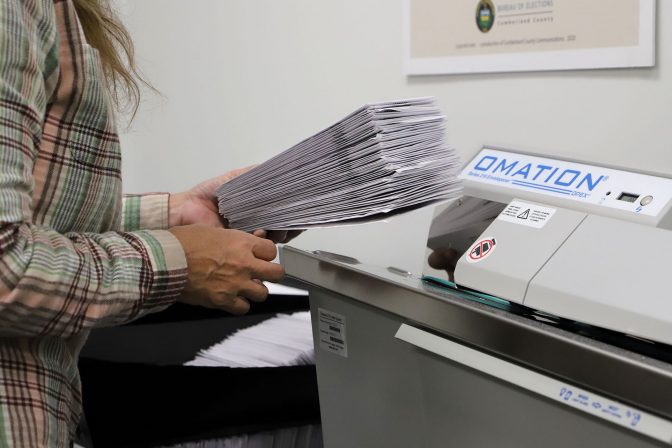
(54, 284)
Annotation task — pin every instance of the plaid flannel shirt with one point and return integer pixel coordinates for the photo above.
(73, 255)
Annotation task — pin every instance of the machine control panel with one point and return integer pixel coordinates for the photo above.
(633, 193)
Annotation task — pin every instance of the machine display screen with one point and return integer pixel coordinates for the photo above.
(628, 197)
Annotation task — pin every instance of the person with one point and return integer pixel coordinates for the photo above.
(74, 254)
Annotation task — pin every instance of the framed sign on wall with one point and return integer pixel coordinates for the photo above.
(481, 36)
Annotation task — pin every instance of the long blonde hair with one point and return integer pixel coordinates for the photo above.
(105, 32)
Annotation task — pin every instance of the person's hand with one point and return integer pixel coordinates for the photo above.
(225, 267)
(199, 206)
(446, 259)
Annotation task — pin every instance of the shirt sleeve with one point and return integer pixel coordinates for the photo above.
(51, 283)
(145, 211)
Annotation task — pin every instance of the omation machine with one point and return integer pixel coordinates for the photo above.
(547, 324)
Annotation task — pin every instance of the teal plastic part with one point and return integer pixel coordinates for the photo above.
(467, 293)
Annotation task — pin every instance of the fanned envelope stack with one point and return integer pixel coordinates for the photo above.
(284, 340)
(384, 158)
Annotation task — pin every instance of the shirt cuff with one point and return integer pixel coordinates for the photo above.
(168, 266)
(145, 212)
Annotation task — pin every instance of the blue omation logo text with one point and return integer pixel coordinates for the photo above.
(539, 176)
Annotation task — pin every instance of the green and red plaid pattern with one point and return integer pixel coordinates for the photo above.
(73, 255)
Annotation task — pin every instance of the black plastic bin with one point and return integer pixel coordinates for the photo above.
(137, 393)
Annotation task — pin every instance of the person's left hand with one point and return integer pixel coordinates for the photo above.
(199, 206)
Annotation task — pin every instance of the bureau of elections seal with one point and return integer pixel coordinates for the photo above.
(485, 15)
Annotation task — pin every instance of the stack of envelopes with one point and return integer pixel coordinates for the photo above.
(284, 340)
(383, 158)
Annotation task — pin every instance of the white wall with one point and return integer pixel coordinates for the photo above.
(246, 79)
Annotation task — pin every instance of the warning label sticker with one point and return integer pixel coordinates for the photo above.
(332, 332)
(525, 214)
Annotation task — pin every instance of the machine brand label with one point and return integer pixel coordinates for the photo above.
(481, 249)
(559, 178)
(332, 332)
(562, 180)
(526, 214)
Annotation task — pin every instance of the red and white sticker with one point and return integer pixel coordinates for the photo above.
(481, 249)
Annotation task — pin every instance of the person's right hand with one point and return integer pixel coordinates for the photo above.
(226, 267)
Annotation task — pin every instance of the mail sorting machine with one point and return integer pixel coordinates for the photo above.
(557, 331)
